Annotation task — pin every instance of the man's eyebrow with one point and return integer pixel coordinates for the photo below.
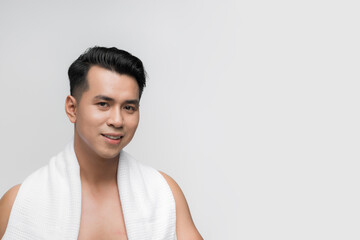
(109, 99)
(102, 97)
(134, 101)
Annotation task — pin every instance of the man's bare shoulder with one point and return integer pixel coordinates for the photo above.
(185, 227)
(6, 203)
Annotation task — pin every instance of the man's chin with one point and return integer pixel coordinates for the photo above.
(110, 156)
(106, 153)
(109, 152)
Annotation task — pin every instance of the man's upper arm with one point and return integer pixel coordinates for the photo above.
(6, 203)
(185, 227)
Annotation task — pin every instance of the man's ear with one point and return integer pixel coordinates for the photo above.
(71, 108)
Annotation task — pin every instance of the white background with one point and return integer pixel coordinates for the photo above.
(251, 106)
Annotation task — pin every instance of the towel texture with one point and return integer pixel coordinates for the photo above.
(48, 204)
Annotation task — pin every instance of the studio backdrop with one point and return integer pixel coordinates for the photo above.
(251, 106)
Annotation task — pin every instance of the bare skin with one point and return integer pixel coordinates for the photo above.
(6, 203)
(109, 106)
(185, 227)
(101, 214)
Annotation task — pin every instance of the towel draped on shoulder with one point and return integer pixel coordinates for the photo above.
(48, 204)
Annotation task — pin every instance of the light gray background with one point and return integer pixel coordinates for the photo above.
(251, 106)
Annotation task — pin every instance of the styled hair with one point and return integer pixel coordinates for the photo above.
(112, 59)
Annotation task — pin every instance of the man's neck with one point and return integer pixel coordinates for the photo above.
(95, 171)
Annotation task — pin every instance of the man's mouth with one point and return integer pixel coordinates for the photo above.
(114, 137)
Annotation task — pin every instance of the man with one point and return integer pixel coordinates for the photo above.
(93, 189)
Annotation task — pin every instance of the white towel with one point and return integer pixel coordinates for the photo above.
(48, 204)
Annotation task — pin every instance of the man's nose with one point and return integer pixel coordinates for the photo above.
(116, 118)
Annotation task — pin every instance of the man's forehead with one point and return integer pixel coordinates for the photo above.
(105, 82)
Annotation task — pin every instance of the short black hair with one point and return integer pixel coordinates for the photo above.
(112, 59)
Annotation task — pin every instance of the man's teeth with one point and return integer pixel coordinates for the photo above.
(112, 137)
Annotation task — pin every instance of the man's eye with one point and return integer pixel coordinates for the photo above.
(130, 108)
(102, 104)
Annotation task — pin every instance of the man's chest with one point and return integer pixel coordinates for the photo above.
(102, 220)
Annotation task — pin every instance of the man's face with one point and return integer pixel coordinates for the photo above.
(108, 113)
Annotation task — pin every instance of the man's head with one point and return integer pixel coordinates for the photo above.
(112, 59)
(106, 86)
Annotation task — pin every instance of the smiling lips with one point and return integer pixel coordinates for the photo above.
(113, 138)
